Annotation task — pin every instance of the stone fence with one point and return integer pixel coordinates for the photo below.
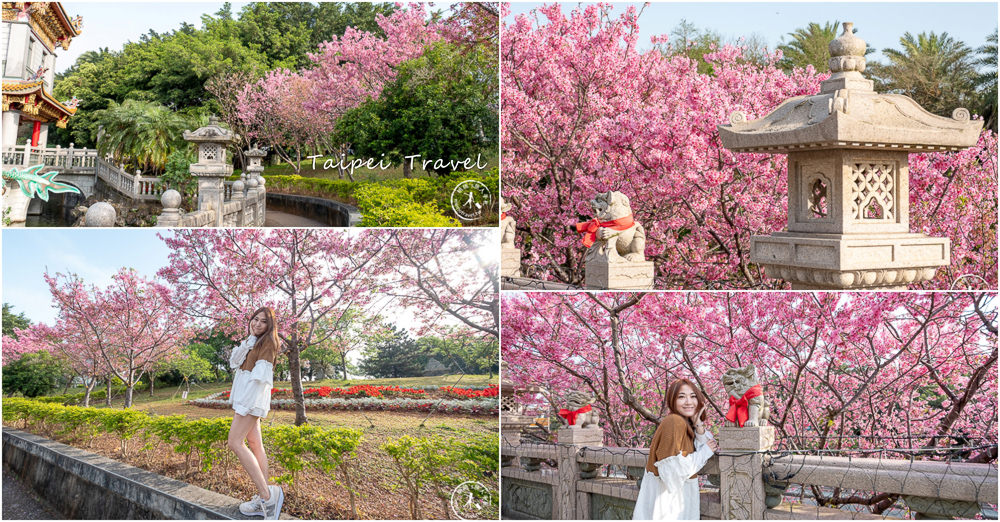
(67, 159)
(581, 479)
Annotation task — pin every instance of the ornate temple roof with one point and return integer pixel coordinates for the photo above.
(848, 113)
(32, 99)
(48, 19)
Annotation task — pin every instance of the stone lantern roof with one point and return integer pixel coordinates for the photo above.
(848, 114)
(211, 133)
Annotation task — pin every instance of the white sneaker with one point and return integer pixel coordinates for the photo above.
(251, 507)
(272, 506)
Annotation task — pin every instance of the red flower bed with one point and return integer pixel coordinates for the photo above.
(462, 393)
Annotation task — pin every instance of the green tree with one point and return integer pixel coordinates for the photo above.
(142, 134)
(986, 81)
(440, 106)
(686, 39)
(936, 70)
(391, 353)
(32, 375)
(191, 366)
(810, 45)
(468, 354)
(214, 346)
(12, 321)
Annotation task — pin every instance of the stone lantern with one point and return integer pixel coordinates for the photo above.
(212, 168)
(848, 179)
(255, 182)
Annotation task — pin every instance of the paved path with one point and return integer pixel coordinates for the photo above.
(273, 218)
(22, 503)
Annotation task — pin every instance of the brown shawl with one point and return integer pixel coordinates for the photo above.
(263, 350)
(674, 436)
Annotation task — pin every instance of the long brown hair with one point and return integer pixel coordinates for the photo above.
(270, 336)
(674, 390)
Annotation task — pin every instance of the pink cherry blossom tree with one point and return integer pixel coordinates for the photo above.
(70, 342)
(131, 323)
(584, 110)
(445, 274)
(313, 279)
(839, 370)
(273, 113)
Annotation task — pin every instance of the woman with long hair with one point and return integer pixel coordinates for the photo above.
(253, 361)
(680, 447)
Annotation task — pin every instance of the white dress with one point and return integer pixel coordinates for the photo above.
(251, 393)
(673, 495)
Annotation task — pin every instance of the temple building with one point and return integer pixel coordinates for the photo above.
(31, 32)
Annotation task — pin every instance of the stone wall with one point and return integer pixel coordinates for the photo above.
(84, 485)
(332, 213)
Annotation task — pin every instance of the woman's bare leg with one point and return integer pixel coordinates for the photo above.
(256, 444)
(242, 424)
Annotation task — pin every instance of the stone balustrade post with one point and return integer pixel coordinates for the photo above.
(239, 196)
(253, 172)
(171, 216)
(69, 156)
(570, 505)
(741, 471)
(26, 159)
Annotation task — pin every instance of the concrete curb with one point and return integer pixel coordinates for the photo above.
(333, 213)
(84, 485)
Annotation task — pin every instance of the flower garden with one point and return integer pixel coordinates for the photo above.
(438, 399)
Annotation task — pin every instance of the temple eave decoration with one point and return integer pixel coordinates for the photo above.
(32, 99)
(48, 19)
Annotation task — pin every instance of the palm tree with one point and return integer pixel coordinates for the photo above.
(986, 82)
(936, 70)
(810, 46)
(142, 134)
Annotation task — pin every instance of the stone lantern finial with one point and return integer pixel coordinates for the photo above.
(848, 179)
(847, 52)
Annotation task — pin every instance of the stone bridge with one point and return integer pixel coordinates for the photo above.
(80, 168)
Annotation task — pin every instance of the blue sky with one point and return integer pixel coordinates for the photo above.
(881, 24)
(94, 254)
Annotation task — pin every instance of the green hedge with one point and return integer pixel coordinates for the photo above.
(433, 462)
(295, 447)
(406, 202)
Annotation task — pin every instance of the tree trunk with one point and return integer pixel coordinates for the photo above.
(151, 380)
(107, 397)
(128, 395)
(86, 393)
(188, 383)
(407, 169)
(295, 376)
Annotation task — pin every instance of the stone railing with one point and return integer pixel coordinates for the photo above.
(68, 159)
(240, 203)
(135, 186)
(588, 481)
(933, 489)
(580, 481)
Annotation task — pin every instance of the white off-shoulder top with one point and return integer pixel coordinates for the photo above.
(251, 393)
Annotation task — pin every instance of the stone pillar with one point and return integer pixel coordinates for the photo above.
(253, 172)
(565, 498)
(741, 471)
(171, 216)
(240, 197)
(212, 167)
(510, 255)
(11, 120)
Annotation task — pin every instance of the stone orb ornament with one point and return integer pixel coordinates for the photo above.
(100, 214)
